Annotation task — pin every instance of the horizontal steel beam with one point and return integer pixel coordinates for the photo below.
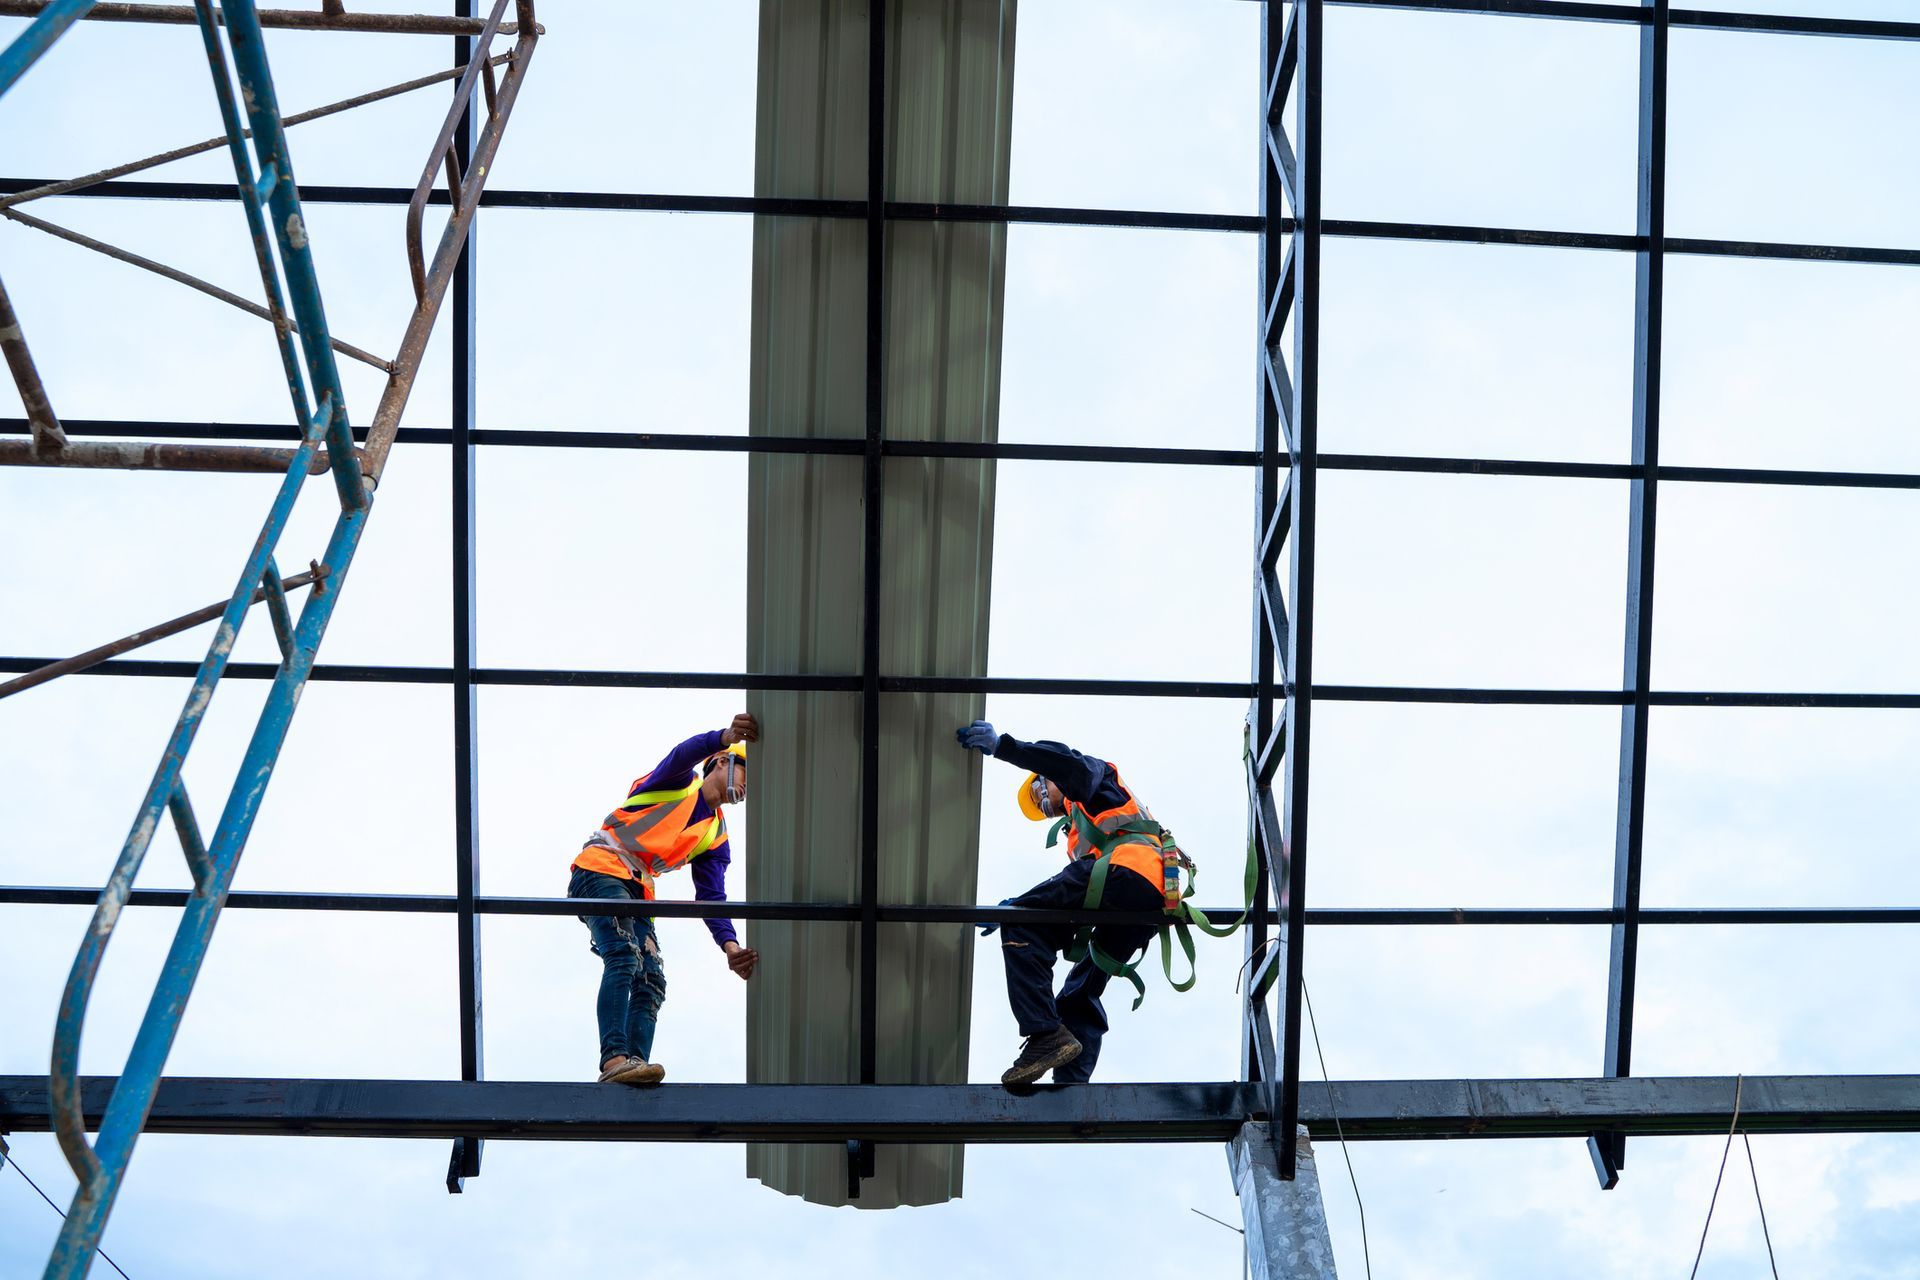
(532, 677)
(1573, 1108)
(831, 446)
(1004, 451)
(913, 913)
(1608, 697)
(1698, 19)
(672, 1113)
(1369, 1109)
(550, 678)
(1026, 215)
(636, 202)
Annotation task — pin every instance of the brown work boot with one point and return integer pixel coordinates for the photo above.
(632, 1070)
(1039, 1055)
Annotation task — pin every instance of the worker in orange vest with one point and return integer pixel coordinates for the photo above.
(671, 819)
(1104, 822)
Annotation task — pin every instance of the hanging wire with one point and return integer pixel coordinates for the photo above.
(1210, 1218)
(15, 1162)
(1240, 974)
(1764, 1233)
(1733, 1128)
(1366, 1255)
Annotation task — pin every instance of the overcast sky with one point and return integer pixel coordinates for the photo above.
(638, 322)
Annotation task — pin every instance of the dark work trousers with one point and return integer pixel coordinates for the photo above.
(633, 984)
(1030, 951)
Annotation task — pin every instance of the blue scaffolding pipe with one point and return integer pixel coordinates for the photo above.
(282, 249)
(40, 36)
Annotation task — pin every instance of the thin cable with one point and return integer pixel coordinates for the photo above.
(1738, 1082)
(1366, 1255)
(1254, 954)
(15, 1162)
(1764, 1233)
(1210, 1218)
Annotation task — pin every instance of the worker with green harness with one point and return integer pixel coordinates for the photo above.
(1119, 859)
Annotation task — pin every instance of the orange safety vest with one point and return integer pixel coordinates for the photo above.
(653, 833)
(1128, 830)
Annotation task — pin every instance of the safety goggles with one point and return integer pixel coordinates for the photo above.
(1043, 798)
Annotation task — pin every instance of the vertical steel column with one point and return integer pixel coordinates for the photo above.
(873, 473)
(1286, 1221)
(1258, 1054)
(860, 1156)
(1609, 1149)
(466, 766)
(1302, 492)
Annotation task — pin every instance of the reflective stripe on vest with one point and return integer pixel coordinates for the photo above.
(641, 798)
(653, 832)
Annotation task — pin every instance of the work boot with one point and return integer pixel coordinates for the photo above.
(1039, 1055)
(632, 1070)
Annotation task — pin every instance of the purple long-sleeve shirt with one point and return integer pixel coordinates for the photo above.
(678, 768)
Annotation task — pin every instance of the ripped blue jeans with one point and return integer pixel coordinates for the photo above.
(633, 984)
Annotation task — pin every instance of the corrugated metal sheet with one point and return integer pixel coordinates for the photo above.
(950, 77)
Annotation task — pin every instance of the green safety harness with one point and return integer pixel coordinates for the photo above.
(1182, 915)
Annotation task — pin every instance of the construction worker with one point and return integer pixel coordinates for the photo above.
(671, 819)
(1100, 815)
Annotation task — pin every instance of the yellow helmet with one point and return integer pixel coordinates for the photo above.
(738, 750)
(1025, 796)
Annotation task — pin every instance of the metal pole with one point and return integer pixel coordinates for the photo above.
(45, 424)
(178, 276)
(466, 763)
(68, 186)
(860, 1155)
(417, 24)
(1609, 1150)
(1303, 489)
(51, 18)
(1286, 1221)
(185, 622)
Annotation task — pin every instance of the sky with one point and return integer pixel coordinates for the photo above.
(638, 322)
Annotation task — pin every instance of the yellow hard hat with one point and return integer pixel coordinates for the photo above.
(738, 749)
(1025, 797)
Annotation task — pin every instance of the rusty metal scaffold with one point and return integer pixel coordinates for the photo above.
(463, 149)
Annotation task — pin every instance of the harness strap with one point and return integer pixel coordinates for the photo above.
(1182, 921)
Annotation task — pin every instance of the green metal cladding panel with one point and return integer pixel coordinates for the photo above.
(950, 104)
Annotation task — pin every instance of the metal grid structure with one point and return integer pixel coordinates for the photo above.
(1284, 460)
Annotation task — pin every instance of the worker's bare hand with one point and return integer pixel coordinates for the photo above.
(741, 960)
(743, 729)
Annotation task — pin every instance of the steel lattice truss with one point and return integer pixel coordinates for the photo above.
(1285, 461)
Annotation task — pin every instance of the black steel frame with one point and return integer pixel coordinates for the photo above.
(1285, 462)
(1172, 1112)
(463, 410)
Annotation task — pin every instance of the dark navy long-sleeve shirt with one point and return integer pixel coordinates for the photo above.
(1081, 778)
